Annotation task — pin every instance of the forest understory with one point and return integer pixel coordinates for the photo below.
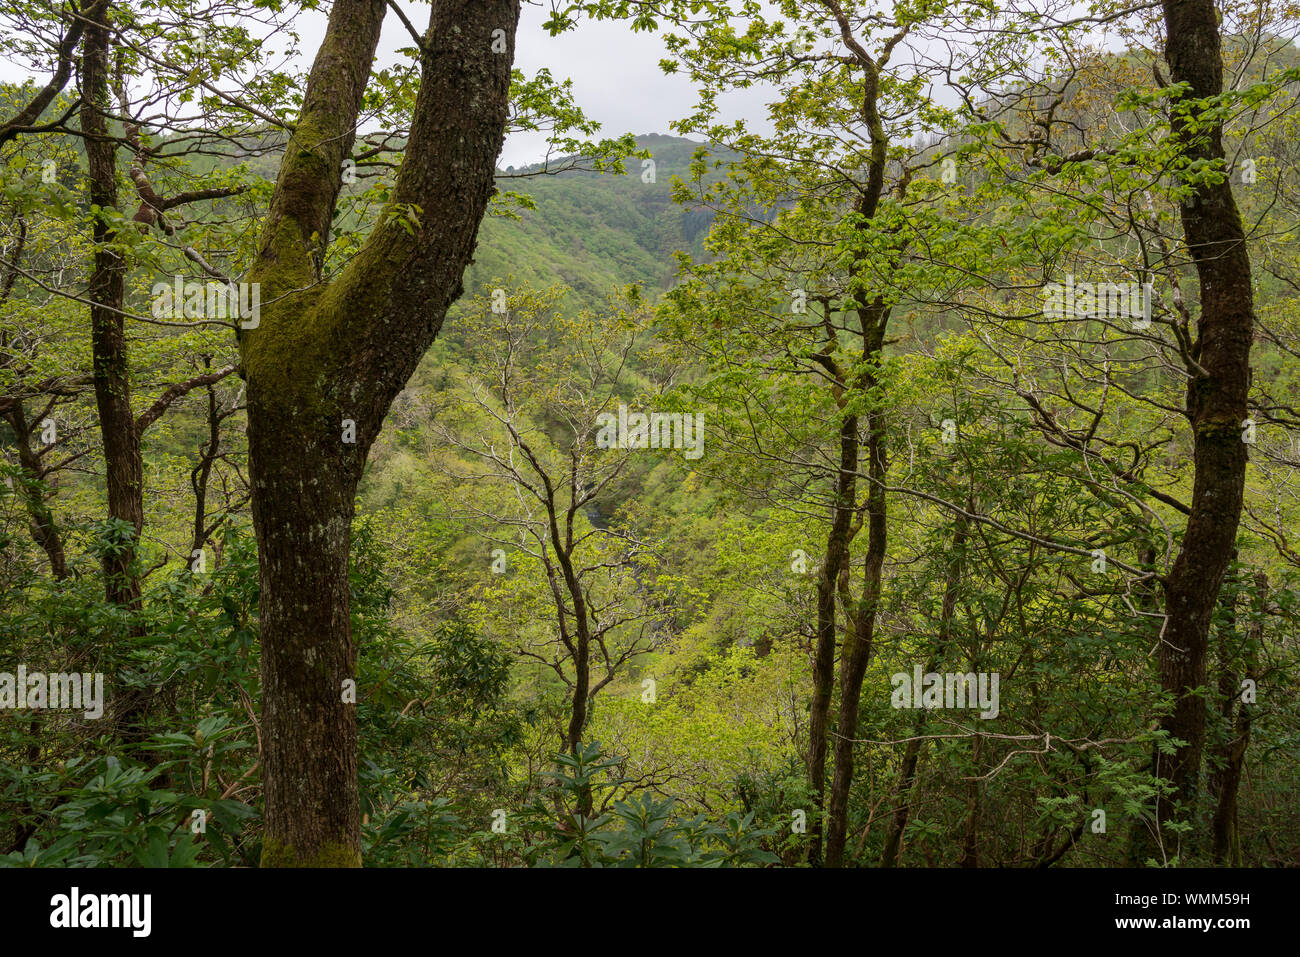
(905, 474)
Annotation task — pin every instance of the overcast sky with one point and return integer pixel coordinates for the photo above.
(616, 75)
(616, 79)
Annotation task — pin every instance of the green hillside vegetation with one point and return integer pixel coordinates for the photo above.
(571, 654)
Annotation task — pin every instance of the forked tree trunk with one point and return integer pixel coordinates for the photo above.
(873, 317)
(325, 362)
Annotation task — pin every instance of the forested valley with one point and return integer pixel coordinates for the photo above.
(907, 476)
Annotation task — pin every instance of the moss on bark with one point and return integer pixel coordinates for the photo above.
(331, 854)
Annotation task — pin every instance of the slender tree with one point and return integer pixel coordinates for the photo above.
(1216, 394)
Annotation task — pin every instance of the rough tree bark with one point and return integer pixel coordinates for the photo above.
(1216, 405)
(120, 431)
(123, 465)
(326, 352)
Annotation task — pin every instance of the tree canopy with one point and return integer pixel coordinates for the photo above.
(906, 476)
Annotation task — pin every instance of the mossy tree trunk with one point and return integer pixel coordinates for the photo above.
(1219, 380)
(106, 290)
(326, 353)
(45, 532)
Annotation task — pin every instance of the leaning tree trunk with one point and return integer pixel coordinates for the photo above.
(1216, 405)
(47, 536)
(45, 532)
(325, 362)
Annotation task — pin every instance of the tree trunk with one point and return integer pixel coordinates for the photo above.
(836, 557)
(859, 637)
(46, 534)
(970, 843)
(1216, 407)
(44, 530)
(873, 316)
(303, 517)
(123, 465)
(324, 364)
(123, 460)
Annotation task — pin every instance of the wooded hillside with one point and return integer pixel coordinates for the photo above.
(908, 477)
